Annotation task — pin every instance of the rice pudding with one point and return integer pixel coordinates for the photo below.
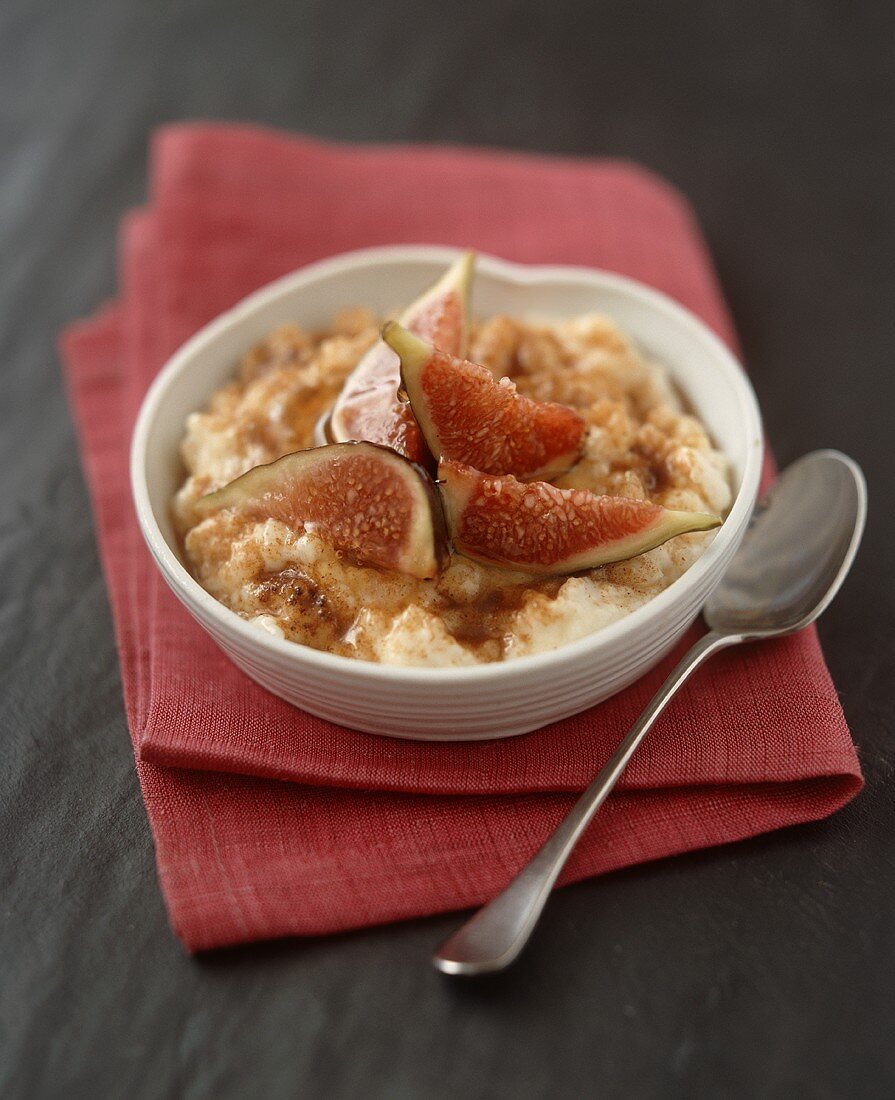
(641, 443)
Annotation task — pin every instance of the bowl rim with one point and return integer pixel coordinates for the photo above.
(190, 592)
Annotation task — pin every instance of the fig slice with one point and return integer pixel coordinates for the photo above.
(368, 406)
(537, 528)
(370, 504)
(469, 416)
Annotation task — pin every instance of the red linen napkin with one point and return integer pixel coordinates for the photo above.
(372, 829)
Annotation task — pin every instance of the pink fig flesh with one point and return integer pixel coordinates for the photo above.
(370, 504)
(537, 528)
(469, 416)
(368, 406)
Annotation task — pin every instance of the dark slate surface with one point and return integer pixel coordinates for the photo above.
(761, 970)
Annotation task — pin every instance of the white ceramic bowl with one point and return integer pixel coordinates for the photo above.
(495, 700)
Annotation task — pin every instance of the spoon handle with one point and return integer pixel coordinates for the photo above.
(493, 937)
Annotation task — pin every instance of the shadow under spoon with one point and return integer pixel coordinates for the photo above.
(795, 555)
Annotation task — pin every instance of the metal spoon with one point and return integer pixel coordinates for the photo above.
(798, 549)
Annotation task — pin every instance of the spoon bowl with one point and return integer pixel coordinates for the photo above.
(797, 551)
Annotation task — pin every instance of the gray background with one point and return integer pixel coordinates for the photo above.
(761, 970)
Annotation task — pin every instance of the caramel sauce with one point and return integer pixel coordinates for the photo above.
(487, 619)
(298, 602)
